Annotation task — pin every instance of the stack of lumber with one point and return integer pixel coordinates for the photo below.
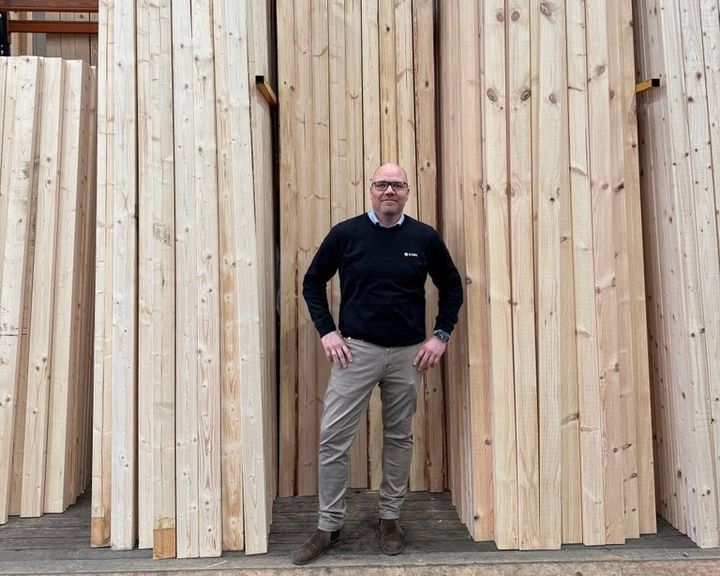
(183, 446)
(548, 392)
(680, 154)
(357, 89)
(47, 184)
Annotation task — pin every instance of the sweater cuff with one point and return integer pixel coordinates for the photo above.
(324, 328)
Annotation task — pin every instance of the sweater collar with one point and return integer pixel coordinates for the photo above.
(374, 219)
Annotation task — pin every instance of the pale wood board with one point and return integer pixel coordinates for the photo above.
(550, 180)
(497, 247)
(149, 318)
(66, 298)
(711, 45)
(522, 41)
(256, 483)
(38, 394)
(288, 414)
(626, 360)
(23, 85)
(307, 335)
(590, 424)
(100, 510)
(571, 480)
(640, 376)
(232, 111)
(186, 392)
(124, 335)
(207, 267)
(605, 267)
(478, 394)
(388, 82)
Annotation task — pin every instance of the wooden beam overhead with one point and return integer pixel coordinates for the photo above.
(49, 5)
(49, 27)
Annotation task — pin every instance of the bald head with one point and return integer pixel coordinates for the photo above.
(389, 168)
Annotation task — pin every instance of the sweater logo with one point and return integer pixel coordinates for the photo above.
(411, 255)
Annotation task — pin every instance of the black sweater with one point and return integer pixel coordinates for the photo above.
(382, 281)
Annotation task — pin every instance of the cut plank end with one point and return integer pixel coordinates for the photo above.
(164, 540)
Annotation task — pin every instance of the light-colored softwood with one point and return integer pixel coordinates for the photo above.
(38, 395)
(498, 270)
(23, 84)
(124, 313)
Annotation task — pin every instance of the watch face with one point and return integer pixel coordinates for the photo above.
(442, 336)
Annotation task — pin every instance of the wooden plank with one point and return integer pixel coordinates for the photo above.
(498, 261)
(626, 359)
(593, 517)
(307, 336)
(571, 480)
(388, 84)
(700, 256)
(711, 45)
(289, 106)
(354, 97)
(156, 322)
(207, 269)
(100, 508)
(520, 158)
(18, 453)
(66, 298)
(550, 180)
(233, 120)
(240, 180)
(124, 336)
(33, 488)
(24, 82)
(186, 285)
(605, 267)
(50, 5)
(425, 99)
(477, 393)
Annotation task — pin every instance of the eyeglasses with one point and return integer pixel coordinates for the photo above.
(382, 185)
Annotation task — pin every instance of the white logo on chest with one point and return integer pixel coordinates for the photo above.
(411, 255)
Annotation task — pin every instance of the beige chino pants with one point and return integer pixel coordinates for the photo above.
(346, 400)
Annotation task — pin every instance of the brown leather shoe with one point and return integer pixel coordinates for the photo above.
(392, 537)
(315, 546)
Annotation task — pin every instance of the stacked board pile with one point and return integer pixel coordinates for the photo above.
(680, 155)
(548, 390)
(183, 446)
(357, 89)
(47, 192)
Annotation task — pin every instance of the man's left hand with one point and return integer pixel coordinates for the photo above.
(429, 354)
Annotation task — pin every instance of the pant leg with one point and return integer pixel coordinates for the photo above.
(346, 401)
(399, 393)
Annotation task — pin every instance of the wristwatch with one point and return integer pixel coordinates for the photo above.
(442, 336)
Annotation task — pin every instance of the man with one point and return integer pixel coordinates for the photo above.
(383, 258)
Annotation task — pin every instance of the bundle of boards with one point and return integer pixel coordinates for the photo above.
(183, 448)
(540, 422)
(680, 155)
(47, 192)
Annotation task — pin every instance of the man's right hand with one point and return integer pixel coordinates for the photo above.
(335, 348)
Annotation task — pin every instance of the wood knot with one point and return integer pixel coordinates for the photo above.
(553, 98)
(515, 16)
(500, 16)
(525, 95)
(547, 9)
(492, 93)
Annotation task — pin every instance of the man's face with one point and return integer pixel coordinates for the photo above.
(391, 201)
